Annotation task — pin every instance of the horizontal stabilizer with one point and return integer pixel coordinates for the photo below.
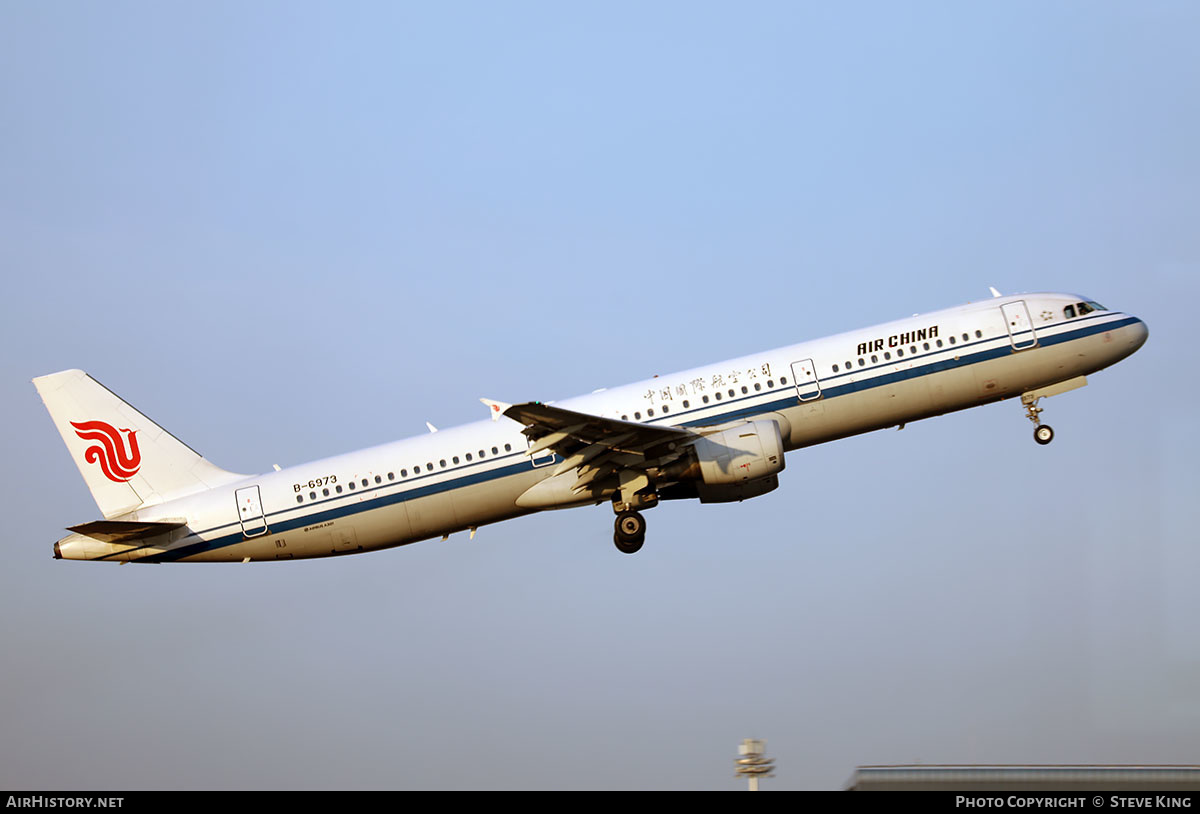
(121, 531)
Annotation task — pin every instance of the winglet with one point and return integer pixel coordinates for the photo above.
(496, 408)
(995, 293)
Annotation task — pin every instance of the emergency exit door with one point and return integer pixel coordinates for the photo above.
(1020, 326)
(804, 374)
(250, 511)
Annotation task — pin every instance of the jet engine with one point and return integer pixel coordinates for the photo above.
(733, 464)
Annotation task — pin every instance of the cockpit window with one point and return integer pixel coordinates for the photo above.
(1095, 306)
(1069, 312)
(1084, 308)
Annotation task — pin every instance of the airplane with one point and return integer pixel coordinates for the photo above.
(716, 433)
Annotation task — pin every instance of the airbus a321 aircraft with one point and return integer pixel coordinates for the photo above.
(717, 433)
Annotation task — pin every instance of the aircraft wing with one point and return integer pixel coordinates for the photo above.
(594, 445)
(558, 429)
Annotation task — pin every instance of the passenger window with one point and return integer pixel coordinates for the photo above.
(966, 337)
(650, 413)
(469, 456)
(338, 489)
(899, 351)
(365, 482)
(508, 447)
(495, 451)
(351, 486)
(952, 340)
(686, 404)
(481, 455)
(705, 399)
(835, 368)
(442, 463)
(887, 356)
(638, 415)
(378, 479)
(731, 393)
(874, 358)
(391, 476)
(926, 346)
(299, 498)
(979, 334)
(913, 350)
(783, 379)
(404, 473)
(939, 343)
(757, 387)
(719, 395)
(455, 460)
(312, 495)
(666, 408)
(770, 382)
(325, 491)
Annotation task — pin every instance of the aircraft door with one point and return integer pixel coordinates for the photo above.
(344, 539)
(804, 374)
(250, 511)
(1020, 326)
(542, 458)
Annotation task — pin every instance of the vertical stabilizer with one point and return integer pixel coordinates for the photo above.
(126, 459)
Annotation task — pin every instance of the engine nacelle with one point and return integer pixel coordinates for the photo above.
(731, 492)
(744, 453)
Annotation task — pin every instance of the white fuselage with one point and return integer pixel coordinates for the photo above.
(468, 476)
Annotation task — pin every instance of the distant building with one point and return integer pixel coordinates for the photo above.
(1025, 778)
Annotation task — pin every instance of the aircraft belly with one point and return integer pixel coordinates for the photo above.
(442, 513)
(1013, 375)
(490, 502)
(859, 411)
(399, 523)
(429, 515)
(886, 405)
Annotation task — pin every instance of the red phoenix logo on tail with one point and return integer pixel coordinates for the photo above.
(118, 463)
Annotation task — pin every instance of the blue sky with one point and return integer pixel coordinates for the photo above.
(288, 230)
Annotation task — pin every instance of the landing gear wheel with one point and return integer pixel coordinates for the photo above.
(1043, 434)
(628, 548)
(630, 532)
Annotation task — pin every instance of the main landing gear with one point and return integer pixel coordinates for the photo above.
(1042, 433)
(630, 532)
(635, 492)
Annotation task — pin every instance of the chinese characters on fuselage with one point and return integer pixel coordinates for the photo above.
(698, 385)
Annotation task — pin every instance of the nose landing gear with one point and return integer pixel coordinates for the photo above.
(1042, 433)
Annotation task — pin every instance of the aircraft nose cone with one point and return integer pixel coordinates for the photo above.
(1138, 334)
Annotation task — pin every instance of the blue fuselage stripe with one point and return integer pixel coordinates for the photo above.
(784, 399)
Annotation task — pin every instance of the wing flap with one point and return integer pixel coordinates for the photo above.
(594, 447)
